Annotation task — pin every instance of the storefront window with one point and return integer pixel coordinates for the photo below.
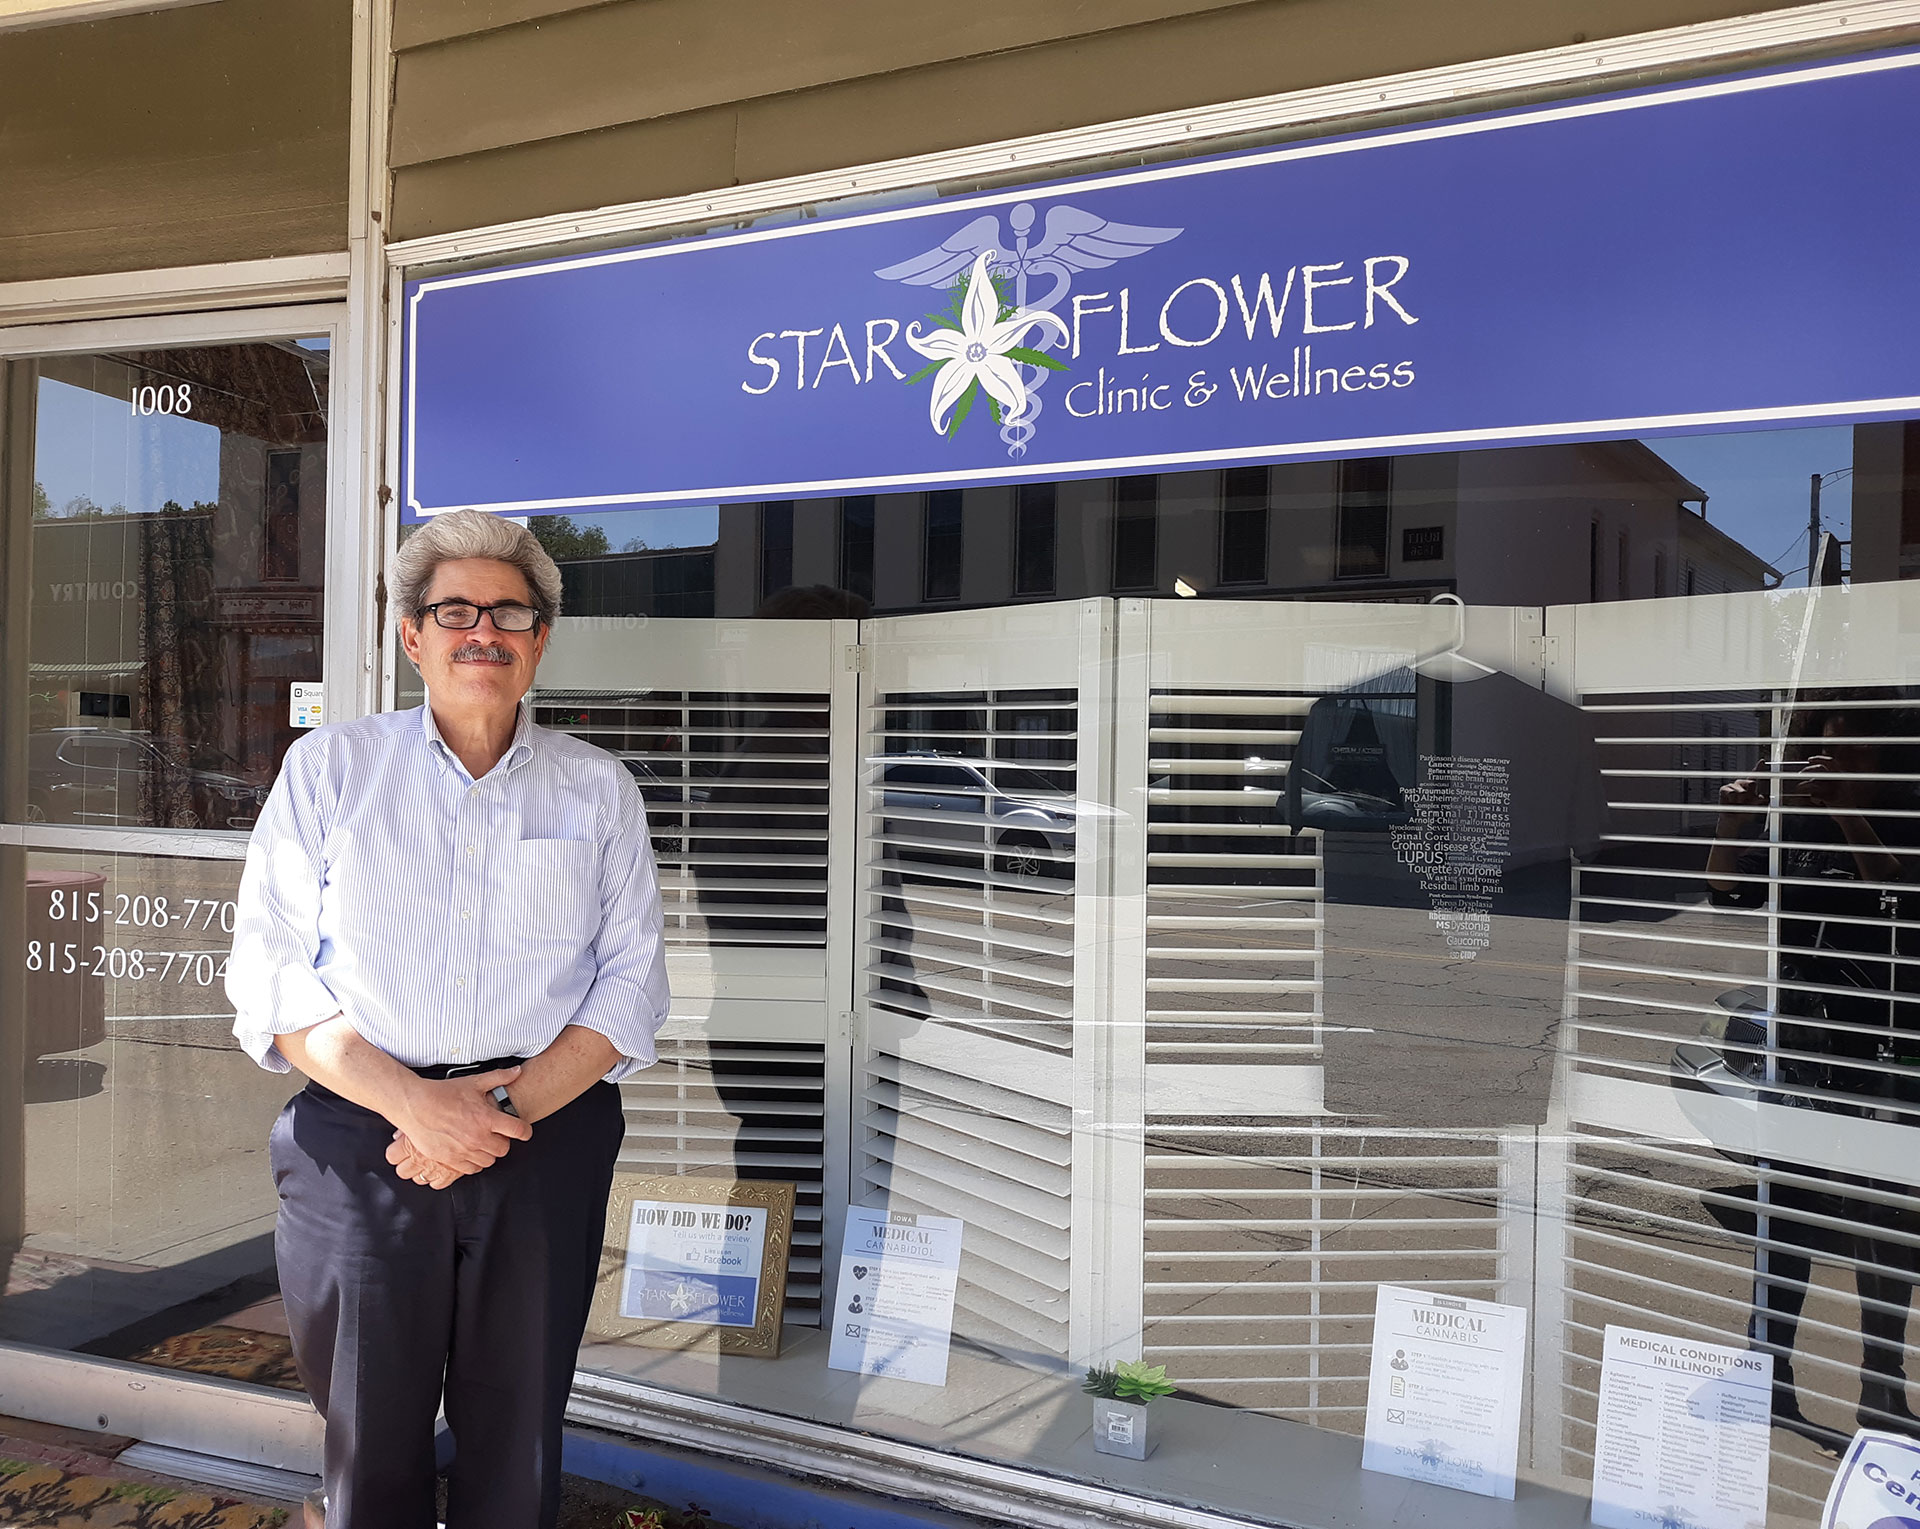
(1484, 925)
(1300, 771)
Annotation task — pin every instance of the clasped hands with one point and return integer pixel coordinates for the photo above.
(449, 1128)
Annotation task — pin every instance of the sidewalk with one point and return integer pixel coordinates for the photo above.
(52, 1478)
(66, 1478)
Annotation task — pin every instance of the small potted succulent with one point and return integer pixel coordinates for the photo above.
(1120, 1395)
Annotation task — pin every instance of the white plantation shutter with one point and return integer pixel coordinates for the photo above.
(1088, 964)
(973, 991)
(1233, 918)
(730, 731)
(1266, 1238)
(1680, 1182)
(754, 1110)
(1267, 1221)
(736, 791)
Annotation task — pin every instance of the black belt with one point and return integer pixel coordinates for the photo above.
(443, 1070)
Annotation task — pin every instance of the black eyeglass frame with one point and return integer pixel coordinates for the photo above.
(434, 609)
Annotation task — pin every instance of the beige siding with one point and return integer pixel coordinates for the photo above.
(612, 64)
(210, 133)
(417, 22)
(517, 108)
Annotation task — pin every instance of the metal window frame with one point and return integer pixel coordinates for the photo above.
(174, 289)
(343, 641)
(55, 13)
(76, 1389)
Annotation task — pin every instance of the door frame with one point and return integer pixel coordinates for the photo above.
(207, 1416)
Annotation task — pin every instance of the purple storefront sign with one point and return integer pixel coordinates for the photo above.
(1738, 252)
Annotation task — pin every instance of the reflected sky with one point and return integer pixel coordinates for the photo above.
(1758, 482)
(90, 447)
(695, 525)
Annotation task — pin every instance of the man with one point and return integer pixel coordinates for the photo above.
(450, 923)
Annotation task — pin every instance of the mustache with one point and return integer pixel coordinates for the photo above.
(491, 652)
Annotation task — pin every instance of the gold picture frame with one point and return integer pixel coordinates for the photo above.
(609, 1323)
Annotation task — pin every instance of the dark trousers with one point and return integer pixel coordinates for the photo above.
(393, 1289)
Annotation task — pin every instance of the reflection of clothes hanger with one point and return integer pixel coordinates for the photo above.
(1450, 663)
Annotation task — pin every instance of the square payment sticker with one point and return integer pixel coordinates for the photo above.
(307, 703)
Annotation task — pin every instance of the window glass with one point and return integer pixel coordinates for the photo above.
(1136, 532)
(1013, 778)
(856, 546)
(776, 548)
(1473, 936)
(1243, 526)
(944, 546)
(1365, 511)
(137, 1220)
(1036, 539)
(171, 507)
(165, 511)
(945, 776)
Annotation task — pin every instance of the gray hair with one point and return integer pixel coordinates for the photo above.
(469, 533)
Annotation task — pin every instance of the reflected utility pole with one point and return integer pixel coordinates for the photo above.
(1820, 480)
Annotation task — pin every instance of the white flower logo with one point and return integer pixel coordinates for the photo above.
(981, 352)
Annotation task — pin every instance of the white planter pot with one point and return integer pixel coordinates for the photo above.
(1120, 1428)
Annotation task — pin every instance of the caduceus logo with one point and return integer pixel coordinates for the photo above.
(979, 344)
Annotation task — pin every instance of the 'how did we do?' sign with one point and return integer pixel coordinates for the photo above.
(694, 1263)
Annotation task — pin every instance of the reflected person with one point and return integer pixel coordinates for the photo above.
(450, 922)
(1849, 1015)
(738, 905)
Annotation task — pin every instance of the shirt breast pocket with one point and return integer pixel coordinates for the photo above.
(559, 891)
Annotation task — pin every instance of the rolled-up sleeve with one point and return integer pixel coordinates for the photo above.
(629, 998)
(271, 980)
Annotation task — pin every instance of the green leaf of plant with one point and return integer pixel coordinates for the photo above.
(1101, 1382)
(1034, 357)
(944, 320)
(926, 371)
(1137, 1380)
(964, 407)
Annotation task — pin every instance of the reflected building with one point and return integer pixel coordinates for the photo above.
(165, 638)
(1593, 521)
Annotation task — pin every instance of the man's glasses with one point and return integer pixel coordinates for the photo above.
(464, 615)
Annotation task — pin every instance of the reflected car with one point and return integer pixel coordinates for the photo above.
(105, 775)
(1355, 758)
(949, 797)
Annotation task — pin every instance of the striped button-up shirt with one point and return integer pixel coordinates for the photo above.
(449, 919)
